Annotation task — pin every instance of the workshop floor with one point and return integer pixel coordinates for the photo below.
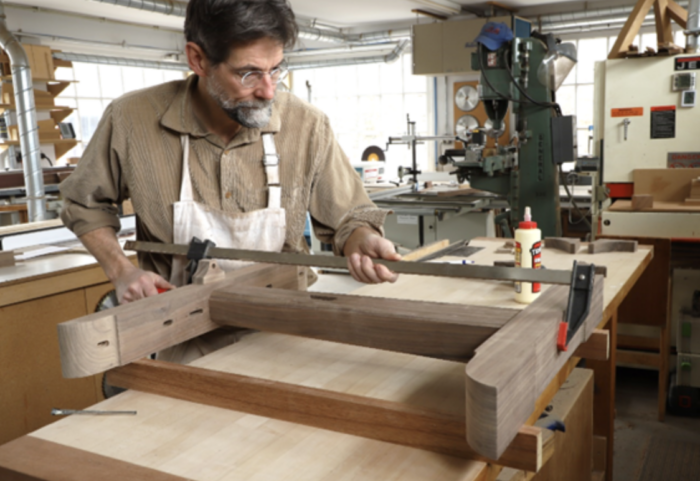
(638, 434)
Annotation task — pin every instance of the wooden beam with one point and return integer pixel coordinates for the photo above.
(33, 459)
(357, 415)
(630, 29)
(677, 13)
(664, 32)
(638, 358)
(432, 329)
(564, 244)
(118, 336)
(612, 245)
(512, 368)
(642, 201)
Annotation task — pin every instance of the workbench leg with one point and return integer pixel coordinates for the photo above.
(664, 353)
(604, 396)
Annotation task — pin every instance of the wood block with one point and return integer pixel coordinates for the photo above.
(444, 331)
(565, 244)
(573, 404)
(597, 347)
(512, 368)
(7, 258)
(610, 245)
(118, 336)
(642, 201)
(358, 415)
(665, 185)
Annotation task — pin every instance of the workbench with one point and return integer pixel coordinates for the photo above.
(35, 296)
(173, 440)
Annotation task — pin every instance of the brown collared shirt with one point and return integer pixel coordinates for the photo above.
(136, 154)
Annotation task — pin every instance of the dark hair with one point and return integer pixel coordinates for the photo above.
(218, 25)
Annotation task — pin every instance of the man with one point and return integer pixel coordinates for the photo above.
(223, 156)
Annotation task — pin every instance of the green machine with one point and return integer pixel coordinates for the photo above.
(523, 73)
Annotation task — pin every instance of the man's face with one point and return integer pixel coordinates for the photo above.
(249, 106)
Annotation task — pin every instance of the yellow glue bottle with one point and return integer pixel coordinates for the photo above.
(528, 255)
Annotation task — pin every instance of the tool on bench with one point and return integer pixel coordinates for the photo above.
(66, 412)
(580, 278)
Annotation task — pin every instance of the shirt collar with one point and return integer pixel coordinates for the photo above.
(180, 117)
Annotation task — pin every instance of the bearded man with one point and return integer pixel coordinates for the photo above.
(222, 156)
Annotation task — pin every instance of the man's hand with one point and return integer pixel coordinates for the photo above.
(130, 282)
(135, 284)
(363, 245)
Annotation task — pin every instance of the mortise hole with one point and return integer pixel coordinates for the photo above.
(269, 285)
(198, 311)
(103, 343)
(322, 298)
(168, 322)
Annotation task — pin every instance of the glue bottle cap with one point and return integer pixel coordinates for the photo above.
(527, 220)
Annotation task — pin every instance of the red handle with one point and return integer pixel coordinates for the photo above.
(561, 338)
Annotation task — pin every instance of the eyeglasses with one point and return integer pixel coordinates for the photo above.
(252, 78)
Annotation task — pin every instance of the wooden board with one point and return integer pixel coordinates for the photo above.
(107, 339)
(573, 449)
(397, 423)
(18, 462)
(433, 329)
(208, 443)
(512, 368)
(631, 28)
(665, 185)
(626, 206)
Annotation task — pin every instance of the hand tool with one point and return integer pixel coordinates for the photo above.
(66, 412)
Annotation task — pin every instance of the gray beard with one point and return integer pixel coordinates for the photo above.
(254, 114)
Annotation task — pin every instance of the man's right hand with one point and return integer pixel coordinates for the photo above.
(131, 282)
(135, 284)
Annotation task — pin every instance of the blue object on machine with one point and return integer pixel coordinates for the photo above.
(494, 34)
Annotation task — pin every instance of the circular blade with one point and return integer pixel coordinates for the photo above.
(467, 98)
(465, 124)
(107, 301)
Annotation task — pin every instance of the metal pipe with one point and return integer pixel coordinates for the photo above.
(122, 62)
(315, 52)
(26, 121)
(692, 27)
(166, 7)
(392, 56)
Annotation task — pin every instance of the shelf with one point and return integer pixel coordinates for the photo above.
(61, 146)
(58, 112)
(55, 81)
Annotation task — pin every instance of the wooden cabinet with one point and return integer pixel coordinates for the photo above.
(30, 365)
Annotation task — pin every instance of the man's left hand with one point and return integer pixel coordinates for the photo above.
(363, 245)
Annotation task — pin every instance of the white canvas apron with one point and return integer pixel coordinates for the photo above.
(262, 230)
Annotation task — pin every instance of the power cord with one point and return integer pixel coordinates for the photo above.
(582, 215)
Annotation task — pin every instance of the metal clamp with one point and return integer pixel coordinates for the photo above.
(579, 303)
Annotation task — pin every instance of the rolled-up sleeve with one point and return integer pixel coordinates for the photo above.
(92, 191)
(339, 203)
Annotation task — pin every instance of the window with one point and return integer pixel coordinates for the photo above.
(96, 87)
(367, 104)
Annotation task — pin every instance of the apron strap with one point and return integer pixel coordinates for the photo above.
(271, 163)
(186, 185)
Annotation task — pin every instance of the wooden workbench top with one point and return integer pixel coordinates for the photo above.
(204, 443)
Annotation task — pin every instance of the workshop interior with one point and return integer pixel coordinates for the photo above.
(538, 162)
